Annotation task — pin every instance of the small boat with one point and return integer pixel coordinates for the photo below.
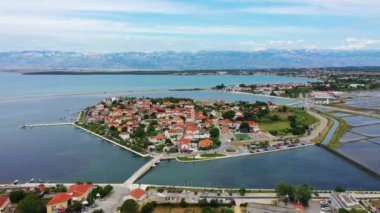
(40, 181)
(15, 182)
(157, 162)
(48, 181)
(31, 180)
(22, 127)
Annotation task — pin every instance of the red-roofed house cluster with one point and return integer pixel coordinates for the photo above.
(62, 200)
(149, 124)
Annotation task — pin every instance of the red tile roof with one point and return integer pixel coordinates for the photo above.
(184, 141)
(80, 188)
(137, 193)
(41, 188)
(159, 137)
(205, 143)
(3, 200)
(60, 197)
(298, 207)
(76, 190)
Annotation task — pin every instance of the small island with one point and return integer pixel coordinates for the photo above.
(190, 130)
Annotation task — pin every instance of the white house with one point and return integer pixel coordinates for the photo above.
(124, 135)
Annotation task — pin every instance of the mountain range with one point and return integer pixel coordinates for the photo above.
(202, 60)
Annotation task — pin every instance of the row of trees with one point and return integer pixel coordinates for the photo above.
(294, 194)
(27, 202)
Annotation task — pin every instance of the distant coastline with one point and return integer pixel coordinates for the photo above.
(227, 71)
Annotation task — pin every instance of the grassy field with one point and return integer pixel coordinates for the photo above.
(242, 137)
(281, 127)
(211, 155)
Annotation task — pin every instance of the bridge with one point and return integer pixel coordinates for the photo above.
(43, 125)
(142, 170)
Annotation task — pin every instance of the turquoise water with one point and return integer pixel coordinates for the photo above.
(60, 154)
(310, 165)
(16, 85)
(66, 154)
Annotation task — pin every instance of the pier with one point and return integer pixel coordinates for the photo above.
(43, 125)
(141, 171)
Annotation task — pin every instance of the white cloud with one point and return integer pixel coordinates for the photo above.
(359, 8)
(37, 25)
(131, 6)
(355, 44)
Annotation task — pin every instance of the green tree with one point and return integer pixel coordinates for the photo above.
(229, 114)
(214, 203)
(242, 191)
(31, 204)
(342, 210)
(214, 132)
(207, 210)
(148, 208)
(16, 196)
(105, 190)
(98, 211)
(285, 192)
(183, 203)
(60, 188)
(284, 108)
(275, 118)
(339, 189)
(303, 194)
(244, 127)
(76, 206)
(129, 206)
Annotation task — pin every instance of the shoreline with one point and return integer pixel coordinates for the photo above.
(125, 92)
(111, 141)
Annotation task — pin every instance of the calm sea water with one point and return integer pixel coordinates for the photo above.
(66, 154)
(310, 165)
(13, 84)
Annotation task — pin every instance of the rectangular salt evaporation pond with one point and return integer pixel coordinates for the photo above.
(375, 140)
(367, 99)
(310, 165)
(350, 136)
(371, 130)
(364, 152)
(361, 120)
(342, 114)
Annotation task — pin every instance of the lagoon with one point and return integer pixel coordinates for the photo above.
(16, 85)
(310, 165)
(66, 154)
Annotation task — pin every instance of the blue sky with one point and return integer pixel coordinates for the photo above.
(191, 25)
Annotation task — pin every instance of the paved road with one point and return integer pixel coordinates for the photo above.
(317, 131)
(114, 200)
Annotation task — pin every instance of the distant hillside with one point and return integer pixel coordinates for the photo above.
(188, 60)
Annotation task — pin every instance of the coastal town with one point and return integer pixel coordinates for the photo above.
(190, 130)
(184, 127)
